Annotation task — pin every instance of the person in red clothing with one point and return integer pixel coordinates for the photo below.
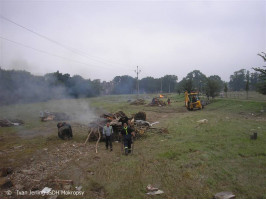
(168, 101)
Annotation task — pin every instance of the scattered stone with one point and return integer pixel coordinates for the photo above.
(79, 188)
(203, 121)
(151, 188)
(262, 111)
(224, 195)
(155, 192)
(67, 187)
(46, 190)
(19, 187)
(5, 182)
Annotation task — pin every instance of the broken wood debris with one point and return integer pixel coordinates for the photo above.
(50, 116)
(138, 102)
(10, 122)
(157, 102)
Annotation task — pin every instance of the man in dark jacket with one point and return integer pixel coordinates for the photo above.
(127, 134)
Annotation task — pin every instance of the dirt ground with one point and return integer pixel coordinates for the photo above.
(49, 166)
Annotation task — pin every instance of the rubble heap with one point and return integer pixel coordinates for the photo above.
(157, 102)
(50, 116)
(138, 102)
(10, 122)
(140, 116)
(137, 122)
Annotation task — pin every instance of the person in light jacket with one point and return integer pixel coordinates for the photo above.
(107, 133)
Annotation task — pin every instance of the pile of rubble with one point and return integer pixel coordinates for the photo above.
(138, 102)
(10, 122)
(157, 102)
(137, 122)
(140, 116)
(50, 116)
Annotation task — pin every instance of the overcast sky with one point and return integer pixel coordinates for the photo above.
(103, 39)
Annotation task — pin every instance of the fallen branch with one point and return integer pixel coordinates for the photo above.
(88, 137)
(96, 147)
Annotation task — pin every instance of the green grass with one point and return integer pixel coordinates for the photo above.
(192, 161)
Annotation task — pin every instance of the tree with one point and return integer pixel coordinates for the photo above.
(149, 85)
(198, 80)
(247, 83)
(261, 85)
(254, 79)
(187, 85)
(124, 85)
(213, 87)
(225, 89)
(237, 80)
(169, 83)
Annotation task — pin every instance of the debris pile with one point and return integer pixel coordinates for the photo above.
(36, 174)
(137, 122)
(140, 116)
(157, 102)
(64, 130)
(50, 116)
(10, 122)
(138, 102)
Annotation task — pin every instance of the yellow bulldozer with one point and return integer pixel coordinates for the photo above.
(192, 101)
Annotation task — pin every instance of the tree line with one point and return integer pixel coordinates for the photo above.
(21, 86)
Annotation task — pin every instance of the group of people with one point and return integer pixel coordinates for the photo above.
(126, 134)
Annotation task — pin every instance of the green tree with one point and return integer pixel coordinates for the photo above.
(225, 89)
(237, 80)
(213, 87)
(124, 85)
(247, 83)
(169, 83)
(199, 80)
(187, 85)
(254, 79)
(261, 85)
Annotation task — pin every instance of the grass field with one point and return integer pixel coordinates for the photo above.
(191, 161)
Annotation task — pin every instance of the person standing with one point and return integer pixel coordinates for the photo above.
(107, 133)
(127, 134)
(168, 101)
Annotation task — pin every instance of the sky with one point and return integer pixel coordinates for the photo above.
(104, 39)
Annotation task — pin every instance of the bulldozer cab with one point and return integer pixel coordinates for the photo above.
(192, 101)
